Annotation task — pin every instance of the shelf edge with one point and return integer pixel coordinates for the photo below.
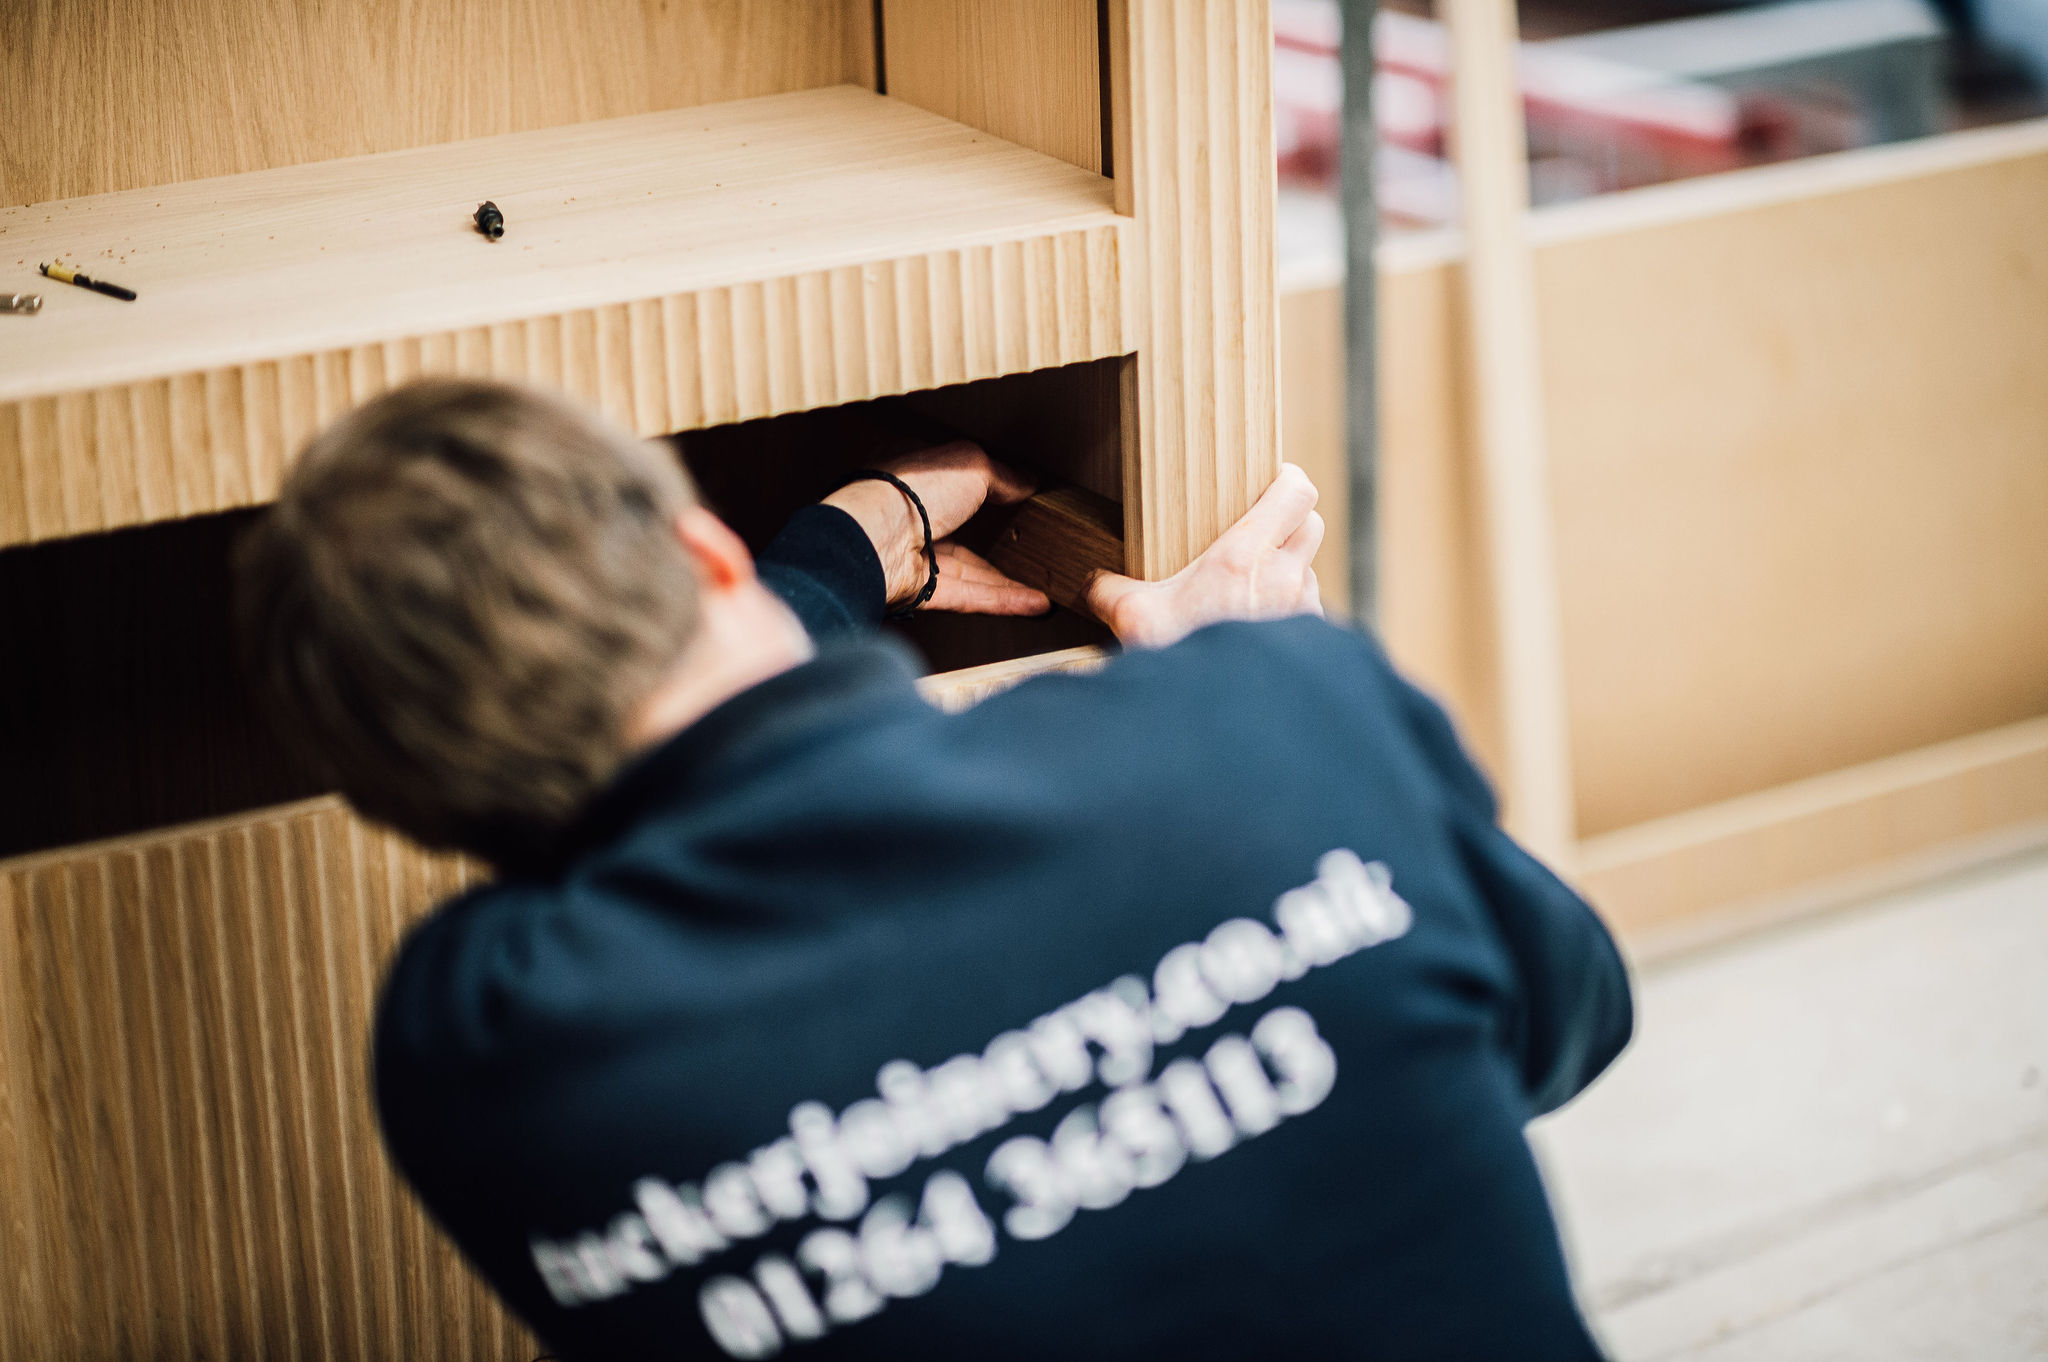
(216, 439)
(969, 686)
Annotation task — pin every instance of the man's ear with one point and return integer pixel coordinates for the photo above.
(721, 559)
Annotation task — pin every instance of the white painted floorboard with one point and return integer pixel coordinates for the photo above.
(1828, 1141)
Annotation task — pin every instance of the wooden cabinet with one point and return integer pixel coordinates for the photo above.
(1047, 223)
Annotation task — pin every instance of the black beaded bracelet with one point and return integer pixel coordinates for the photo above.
(931, 554)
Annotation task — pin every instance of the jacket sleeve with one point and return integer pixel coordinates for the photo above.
(825, 569)
(1573, 1014)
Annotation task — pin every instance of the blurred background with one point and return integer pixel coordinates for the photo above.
(1623, 93)
(1790, 271)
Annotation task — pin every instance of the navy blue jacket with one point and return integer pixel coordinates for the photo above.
(1192, 1009)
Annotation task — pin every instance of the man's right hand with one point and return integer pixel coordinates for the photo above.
(954, 481)
(1258, 570)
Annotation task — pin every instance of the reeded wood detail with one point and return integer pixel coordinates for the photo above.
(678, 269)
(1192, 95)
(193, 443)
(188, 1163)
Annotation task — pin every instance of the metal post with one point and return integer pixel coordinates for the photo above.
(1361, 308)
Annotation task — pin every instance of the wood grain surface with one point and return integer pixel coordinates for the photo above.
(122, 94)
(1057, 541)
(790, 252)
(190, 1167)
(1191, 96)
(1025, 70)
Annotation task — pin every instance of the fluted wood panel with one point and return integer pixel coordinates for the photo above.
(679, 269)
(187, 1154)
(132, 453)
(1191, 104)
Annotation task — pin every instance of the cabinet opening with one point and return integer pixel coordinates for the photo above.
(122, 707)
(1059, 425)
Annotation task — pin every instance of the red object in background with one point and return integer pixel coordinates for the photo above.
(1594, 125)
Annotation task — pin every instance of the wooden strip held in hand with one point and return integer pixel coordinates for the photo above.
(1057, 540)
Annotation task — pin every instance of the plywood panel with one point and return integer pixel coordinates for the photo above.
(1191, 103)
(1743, 856)
(1025, 70)
(1799, 469)
(126, 93)
(191, 1159)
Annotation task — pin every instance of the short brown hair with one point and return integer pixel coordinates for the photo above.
(463, 589)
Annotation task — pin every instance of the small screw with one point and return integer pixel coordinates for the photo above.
(489, 220)
(21, 302)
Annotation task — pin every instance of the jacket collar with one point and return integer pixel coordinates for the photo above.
(849, 680)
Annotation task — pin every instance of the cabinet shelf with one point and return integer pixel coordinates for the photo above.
(680, 269)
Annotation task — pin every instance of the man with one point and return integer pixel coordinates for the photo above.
(1191, 1009)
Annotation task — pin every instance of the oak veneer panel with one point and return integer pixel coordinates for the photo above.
(191, 1160)
(129, 93)
(1191, 96)
(1025, 70)
(678, 270)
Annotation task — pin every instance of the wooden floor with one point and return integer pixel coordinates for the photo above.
(1829, 1141)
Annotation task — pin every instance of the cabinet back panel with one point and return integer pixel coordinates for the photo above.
(119, 94)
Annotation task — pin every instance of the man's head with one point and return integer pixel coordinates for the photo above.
(462, 594)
